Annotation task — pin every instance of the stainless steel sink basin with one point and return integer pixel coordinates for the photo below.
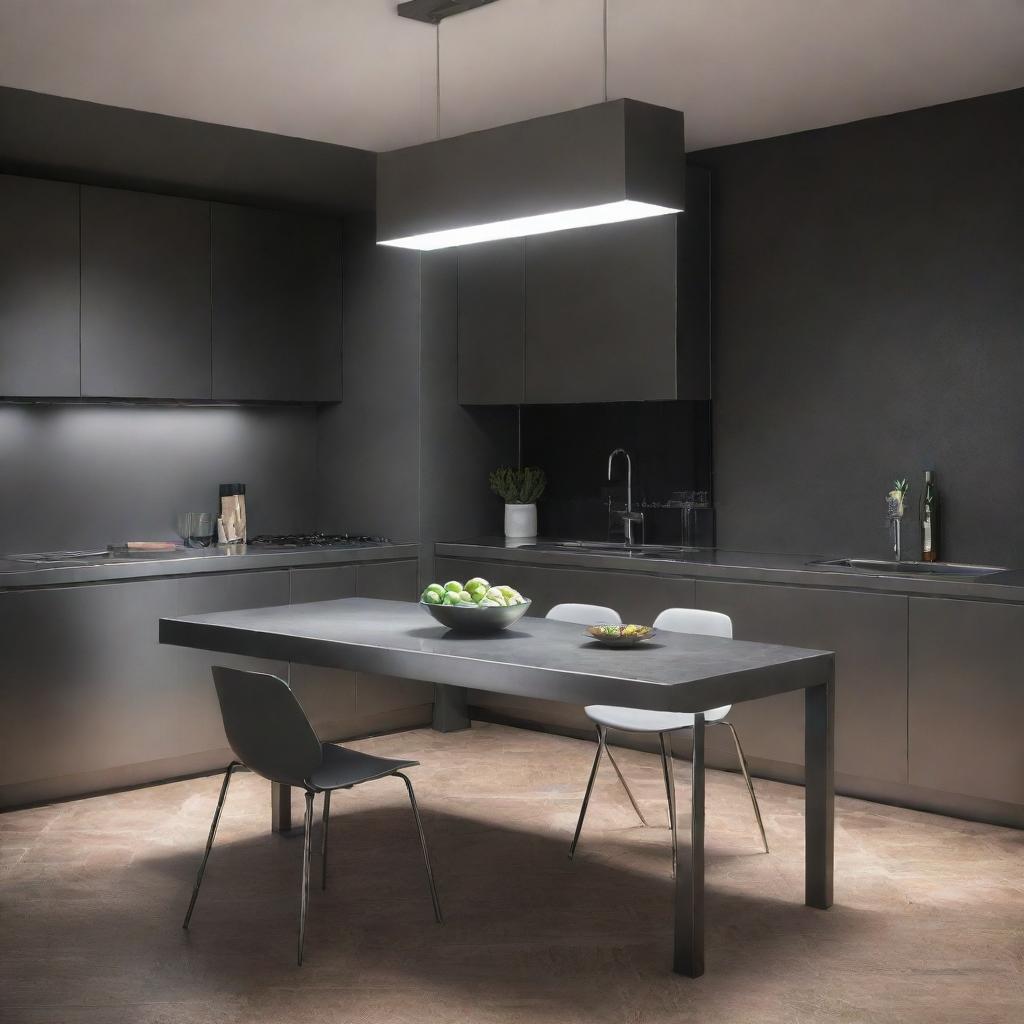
(608, 547)
(911, 568)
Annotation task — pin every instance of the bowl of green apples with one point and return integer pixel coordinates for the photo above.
(474, 607)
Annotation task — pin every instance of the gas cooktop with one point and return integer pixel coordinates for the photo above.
(314, 540)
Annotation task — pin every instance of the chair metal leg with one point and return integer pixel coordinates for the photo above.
(325, 823)
(670, 791)
(423, 846)
(209, 841)
(601, 734)
(750, 785)
(304, 900)
(625, 785)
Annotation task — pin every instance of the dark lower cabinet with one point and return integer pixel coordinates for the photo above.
(85, 686)
(967, 698)
(868, 634)
(39, 283)
(145, 295)
(277, 306)
(636, 598)
(327, 695)
(376, 695)
(194, 725)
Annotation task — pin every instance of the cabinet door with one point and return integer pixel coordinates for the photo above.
(327, 695)
(145, 295)
(85, 685)
(601, 313)
(38, 288)
(195, 721)
(276, 306)
(868, 634)
(967, 698)
(636, 597)
(394, 581)
(492, 310)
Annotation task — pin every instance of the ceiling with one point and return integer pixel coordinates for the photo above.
(352, 72)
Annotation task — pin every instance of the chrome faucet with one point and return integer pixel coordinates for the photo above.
(629, 517)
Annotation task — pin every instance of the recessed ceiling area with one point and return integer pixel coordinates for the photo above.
(353, 72)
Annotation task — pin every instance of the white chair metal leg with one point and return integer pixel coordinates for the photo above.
(750, 785)
(625, 785)
(601, 733)
(670, 791)
(304, 899)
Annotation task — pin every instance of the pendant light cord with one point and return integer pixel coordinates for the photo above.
(437, 97)
(605, 43)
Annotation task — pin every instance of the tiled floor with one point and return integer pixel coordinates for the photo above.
(928, 924)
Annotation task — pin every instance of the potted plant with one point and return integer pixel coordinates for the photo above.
(519, 488)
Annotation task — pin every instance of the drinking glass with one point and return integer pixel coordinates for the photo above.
(195, 528)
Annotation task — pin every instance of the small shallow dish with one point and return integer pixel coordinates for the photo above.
(619, 640)
(476, 620)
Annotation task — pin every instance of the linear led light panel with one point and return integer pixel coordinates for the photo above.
(610, 162)
(538, 224)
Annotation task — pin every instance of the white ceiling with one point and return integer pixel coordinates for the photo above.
(352, 72)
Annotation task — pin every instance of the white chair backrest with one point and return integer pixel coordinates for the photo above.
(694, 620)
(585, 614)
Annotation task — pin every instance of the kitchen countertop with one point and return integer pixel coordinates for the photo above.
(16, 574)
(745, 566)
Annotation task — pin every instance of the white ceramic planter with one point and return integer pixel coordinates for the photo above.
(520, 520)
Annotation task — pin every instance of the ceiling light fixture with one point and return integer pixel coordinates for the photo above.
(613, 161)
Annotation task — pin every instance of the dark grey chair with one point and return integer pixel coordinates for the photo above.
(270, 735)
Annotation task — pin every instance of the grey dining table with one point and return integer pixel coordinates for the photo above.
(555, 661)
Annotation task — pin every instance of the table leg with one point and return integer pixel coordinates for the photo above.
(819, 793)
(450, 714)
(280, 807)
(689, 939)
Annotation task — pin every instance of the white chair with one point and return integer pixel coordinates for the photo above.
(675, 620)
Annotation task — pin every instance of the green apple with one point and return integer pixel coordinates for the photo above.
(437, 589)
(495, 595)
(478, 581)
(453, 586)
(431, 597)
(449, 599)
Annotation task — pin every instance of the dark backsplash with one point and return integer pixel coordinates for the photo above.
(670, 443)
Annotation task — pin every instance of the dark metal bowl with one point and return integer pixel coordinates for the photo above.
(476, 620)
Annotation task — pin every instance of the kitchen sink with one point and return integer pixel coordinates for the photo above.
(911, 568)
(608, 547)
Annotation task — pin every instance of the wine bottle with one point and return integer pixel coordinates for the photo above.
(929, 519)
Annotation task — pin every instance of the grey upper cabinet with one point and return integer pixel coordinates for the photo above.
(492, 312)
(145, 295)
(967, 698)
(612, 313)
(277, 306)
(601, 313)
(39, 281)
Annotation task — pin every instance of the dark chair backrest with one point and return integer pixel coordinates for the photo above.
(266, 726)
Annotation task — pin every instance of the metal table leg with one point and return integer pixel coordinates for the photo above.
(450, 714)
(819, 793)
(689, 939)
(280, 807)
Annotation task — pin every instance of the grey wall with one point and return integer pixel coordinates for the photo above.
(79, 476)
(400, 456)
(868, 303)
